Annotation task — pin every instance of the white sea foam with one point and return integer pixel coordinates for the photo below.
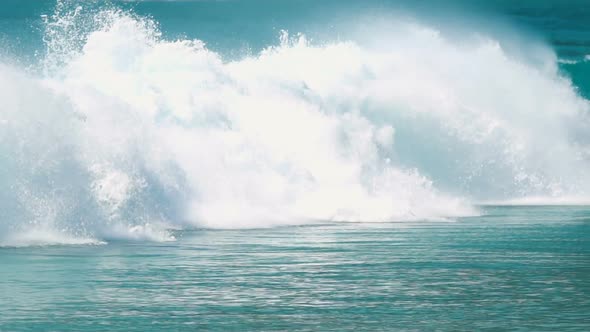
(542, 201)
(568, 61)
(45, 237)
(127, 135)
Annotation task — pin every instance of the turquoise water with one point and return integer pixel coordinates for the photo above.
(295, 165)
(517, 268)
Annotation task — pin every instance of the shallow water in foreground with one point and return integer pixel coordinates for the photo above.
(516, 268)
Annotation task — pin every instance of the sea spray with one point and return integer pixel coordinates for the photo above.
(127, 135)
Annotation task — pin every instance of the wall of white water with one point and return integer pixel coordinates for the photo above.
(126, 135)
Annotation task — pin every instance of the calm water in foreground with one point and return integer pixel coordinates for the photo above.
(517, 268)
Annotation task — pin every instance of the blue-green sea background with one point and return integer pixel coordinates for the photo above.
(512, 268)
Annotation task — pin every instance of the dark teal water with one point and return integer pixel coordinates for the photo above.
(517, 268)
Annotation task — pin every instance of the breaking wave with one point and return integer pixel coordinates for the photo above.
(122, 134)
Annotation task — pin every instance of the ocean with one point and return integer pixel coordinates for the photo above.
(294, 165)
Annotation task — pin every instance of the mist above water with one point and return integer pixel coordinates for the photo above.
(124, 134)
